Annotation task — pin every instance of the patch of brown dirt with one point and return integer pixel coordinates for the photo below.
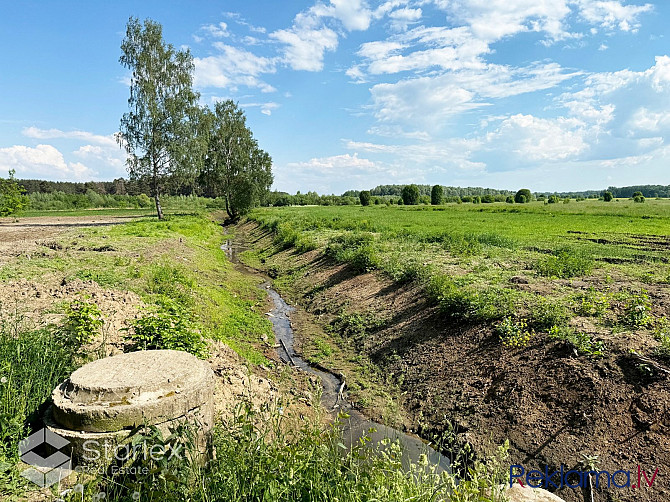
(34, 305)
(553, 405)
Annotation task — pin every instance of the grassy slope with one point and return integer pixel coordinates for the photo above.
(180, 259)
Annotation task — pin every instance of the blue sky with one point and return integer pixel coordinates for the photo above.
(349, 94)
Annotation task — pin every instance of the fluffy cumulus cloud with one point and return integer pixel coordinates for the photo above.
(533, 139)
(313, 32)
(95, 156)
(42, 162)
(232, 67)
(305, 45)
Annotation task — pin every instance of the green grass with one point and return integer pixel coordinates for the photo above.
(467, 257)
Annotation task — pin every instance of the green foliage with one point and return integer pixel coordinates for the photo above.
(522, 196)
(357, 249)
(365, 197)
(12, 196)
(592, 303)
(565, 262)
(461, 302)
(662, 334)
(158, 130)
(437, 195)
(608, 197)
(170, 281)
(514, 333)
(83, 321)
(636, 309)
(582, 342)
(169, 327)
(509, 199)
(410, 195)
(547, 312)
(235, 167)
(32, 364)
(356, 325)
(553, 199)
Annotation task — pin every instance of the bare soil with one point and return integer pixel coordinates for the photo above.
(553, 405)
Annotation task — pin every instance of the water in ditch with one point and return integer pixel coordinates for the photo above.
(334, 392)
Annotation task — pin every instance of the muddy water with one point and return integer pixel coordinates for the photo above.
(334, 388)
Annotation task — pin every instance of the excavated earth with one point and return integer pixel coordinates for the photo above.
(553, 405)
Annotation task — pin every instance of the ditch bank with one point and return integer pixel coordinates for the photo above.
(334, 396)
(557, 408)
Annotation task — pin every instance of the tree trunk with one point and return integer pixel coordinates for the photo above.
(228, 209)
(159, 209)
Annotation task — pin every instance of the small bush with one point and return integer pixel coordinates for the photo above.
(356, 249)
(546, 313)
(580, 341)
(636, 309)
(514, 333)
(662, 334)
(592, 303)
(463, 303)
(565, 263)
(168, 328)
(83, 321)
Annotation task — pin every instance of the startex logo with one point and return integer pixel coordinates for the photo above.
(636, 479)
(45, 471)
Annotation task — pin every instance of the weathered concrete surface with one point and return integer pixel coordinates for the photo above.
(128, 390)
(517, 493)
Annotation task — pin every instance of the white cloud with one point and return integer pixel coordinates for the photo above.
(354, 14)
(43, 162)
(337, 163)
(402, 18)
(266, 108)
(34, 132)
(536, 139)
(305, 48)
(307, 41)
(216, 30)
(233, 67)
(426, 102)
(613, 14)
(421, 102)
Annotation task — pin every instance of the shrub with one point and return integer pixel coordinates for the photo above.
(437, 195)
(424, 199)
(636, 309)
(356, 249)
(463, 303)
(83, 321)
(509, 199)
(592, 303)
(170, 327)
(522, 196)
(365, 197)
(545, 313)
(662, 334)
(608, 197)
(565, 263)
(514, 333)
(553, 199)
(410, 195)
(580, 341)
(488, 199)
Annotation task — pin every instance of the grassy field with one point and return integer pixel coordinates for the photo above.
(544, 324)
(471, 258)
